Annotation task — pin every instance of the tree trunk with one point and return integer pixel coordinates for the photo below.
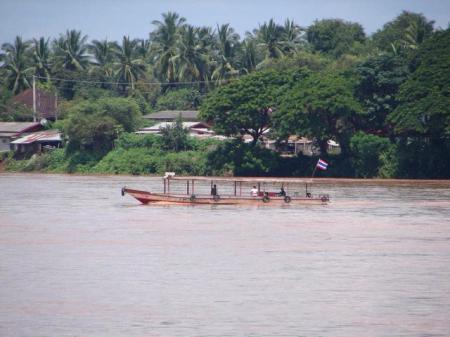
(323, 146)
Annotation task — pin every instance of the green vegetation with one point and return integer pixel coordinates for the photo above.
(320, 106)
(367, 151)
(334, 36)
(181, 99)
(244, 107)
(384, 98)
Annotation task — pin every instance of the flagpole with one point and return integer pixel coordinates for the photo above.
(314, 171)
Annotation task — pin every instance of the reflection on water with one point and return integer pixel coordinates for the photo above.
(77, 259)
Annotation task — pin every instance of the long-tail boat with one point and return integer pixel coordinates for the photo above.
(237, 189)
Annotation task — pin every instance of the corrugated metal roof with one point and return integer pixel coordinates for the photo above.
(42, 136)
(17, 127)
(186, 125)
(173, 114)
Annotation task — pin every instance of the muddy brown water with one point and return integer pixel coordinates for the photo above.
(78, 259)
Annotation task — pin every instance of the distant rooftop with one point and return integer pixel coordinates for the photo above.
(45, 102)
(42, 136)
(18, 127)
(162, 125)
(168, 115)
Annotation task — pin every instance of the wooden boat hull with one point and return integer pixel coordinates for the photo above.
(146, 197)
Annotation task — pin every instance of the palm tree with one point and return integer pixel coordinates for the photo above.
(411, 37)
(42, 59)
(227, 41)
(143, 49)
(71, 51)
(190, 61)
(129, 66)
(248, 55)
(291, 37)
(414, 35)
(164, 44)
(16, 63)
(206, 39)
(104, 55)
(270, 39)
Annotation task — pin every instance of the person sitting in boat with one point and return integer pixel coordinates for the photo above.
(254, 192)
(282, 192)
(214, 190)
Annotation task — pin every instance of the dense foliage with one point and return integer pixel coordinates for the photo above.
(322, 107)
(244, 107)
(384, 98)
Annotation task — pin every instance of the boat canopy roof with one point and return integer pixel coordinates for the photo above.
(271, 180)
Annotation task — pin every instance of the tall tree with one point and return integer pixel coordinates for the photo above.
(164, 45)
(129, 66)
(379, 79)
(143, 49)
(334, 36)
(104, 53)
(320, 106)
(421, 120)
(191, 62)
(227, 41)
(244, 106)
(16, 63)
(269, 37)
(42, 59)
(406, 31)
(292, 37)
(71, 51)
(424, 99)
(248, 55)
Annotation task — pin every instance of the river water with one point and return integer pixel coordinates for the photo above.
(78, 259)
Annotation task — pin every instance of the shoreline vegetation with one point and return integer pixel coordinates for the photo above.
(383, 98)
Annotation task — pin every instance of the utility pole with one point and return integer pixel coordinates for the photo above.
(34, 99)
(56, 105)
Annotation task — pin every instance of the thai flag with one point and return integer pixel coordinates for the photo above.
(322, 164)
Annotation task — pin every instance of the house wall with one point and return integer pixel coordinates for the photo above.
(4, 143)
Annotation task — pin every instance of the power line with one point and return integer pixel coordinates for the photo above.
(126, 83)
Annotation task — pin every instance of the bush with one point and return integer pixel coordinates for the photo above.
(13, 165)
(389, 163)
(144, 161)
(203, 145)
(37, 162)
(132, 140)
(129, 161)
(366, 150)
(56, 161)
(81, 161)
(184, 163)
